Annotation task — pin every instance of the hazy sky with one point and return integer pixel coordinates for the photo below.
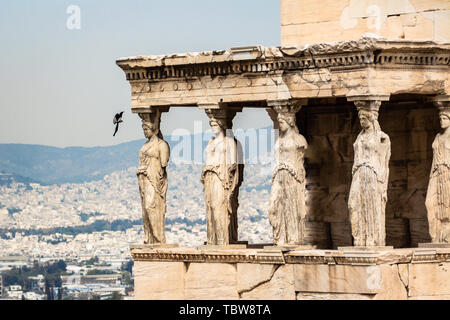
(61, 87)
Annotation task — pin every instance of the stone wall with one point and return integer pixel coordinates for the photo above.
(331, 131)
(306, 21)
(303, 275)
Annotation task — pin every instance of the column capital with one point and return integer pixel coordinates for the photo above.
(371, 103)
(150, 109)
(209, 106)
(441, 98)
(287, 103)
(369, 97)
(442, 102)
(224, 115)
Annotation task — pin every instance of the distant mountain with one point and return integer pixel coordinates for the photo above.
(9, 178)
(51, 165)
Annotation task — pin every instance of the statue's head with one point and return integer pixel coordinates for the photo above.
(217, 125)
(444, 117)
(149, 129)
(368, 115)
(286, 121)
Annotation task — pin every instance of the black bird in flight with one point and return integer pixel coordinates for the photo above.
(117, 119)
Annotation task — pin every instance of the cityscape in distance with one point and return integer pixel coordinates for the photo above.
(79, 209)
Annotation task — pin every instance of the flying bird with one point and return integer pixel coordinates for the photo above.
(117, 119)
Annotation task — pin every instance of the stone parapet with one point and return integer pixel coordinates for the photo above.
(310, 21)
(257, 273)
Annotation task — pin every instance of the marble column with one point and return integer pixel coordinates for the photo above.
(370, 175)
(152, 178)
(222, 176)
(287, 208)
(438, 194)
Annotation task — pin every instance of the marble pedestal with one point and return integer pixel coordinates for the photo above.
(434, 245)
(233, 274)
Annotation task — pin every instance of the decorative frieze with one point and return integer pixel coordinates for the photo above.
(228, 62)
(330, 257)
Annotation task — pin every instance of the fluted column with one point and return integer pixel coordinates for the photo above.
(370, 175)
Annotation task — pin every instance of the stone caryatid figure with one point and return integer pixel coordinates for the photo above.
(152, 179)
(438, 195)
(368, 191)
(287, 209)
(221, 177)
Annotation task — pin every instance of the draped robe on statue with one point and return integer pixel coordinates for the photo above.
(287, 212)
(152, 179)
(220, 178)
(438, 194)
(368, 191)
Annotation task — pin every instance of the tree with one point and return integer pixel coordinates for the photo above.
(92, 261)
(126, 278)
(128, 266)
(116, 296)
(48, 292)
(60, 293)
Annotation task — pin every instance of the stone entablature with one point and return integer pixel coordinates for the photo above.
(257, 74)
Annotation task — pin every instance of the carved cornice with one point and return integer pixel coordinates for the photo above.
(293, 257)
(210, 257)
(256, 60)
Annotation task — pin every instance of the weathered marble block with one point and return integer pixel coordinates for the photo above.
(257, 274)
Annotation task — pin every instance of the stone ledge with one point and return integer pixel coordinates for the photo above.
(217, 255)
(186, 273)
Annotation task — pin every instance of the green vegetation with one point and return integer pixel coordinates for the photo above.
(128, 266)
(20, 276)
(92, 261)
(115, 296)
(98, 271)
(97, 226)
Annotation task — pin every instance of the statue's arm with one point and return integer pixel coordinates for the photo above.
(387, 158)
(231, 151)
(302, 143)
(164, 150)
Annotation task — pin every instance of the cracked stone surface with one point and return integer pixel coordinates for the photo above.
(279, 287)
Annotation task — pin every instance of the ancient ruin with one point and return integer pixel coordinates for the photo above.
(365, 107)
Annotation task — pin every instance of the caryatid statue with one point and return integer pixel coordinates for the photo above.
(438, 195)
(287, 209)
(221, 177)
(368, 191)
(152, 179)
